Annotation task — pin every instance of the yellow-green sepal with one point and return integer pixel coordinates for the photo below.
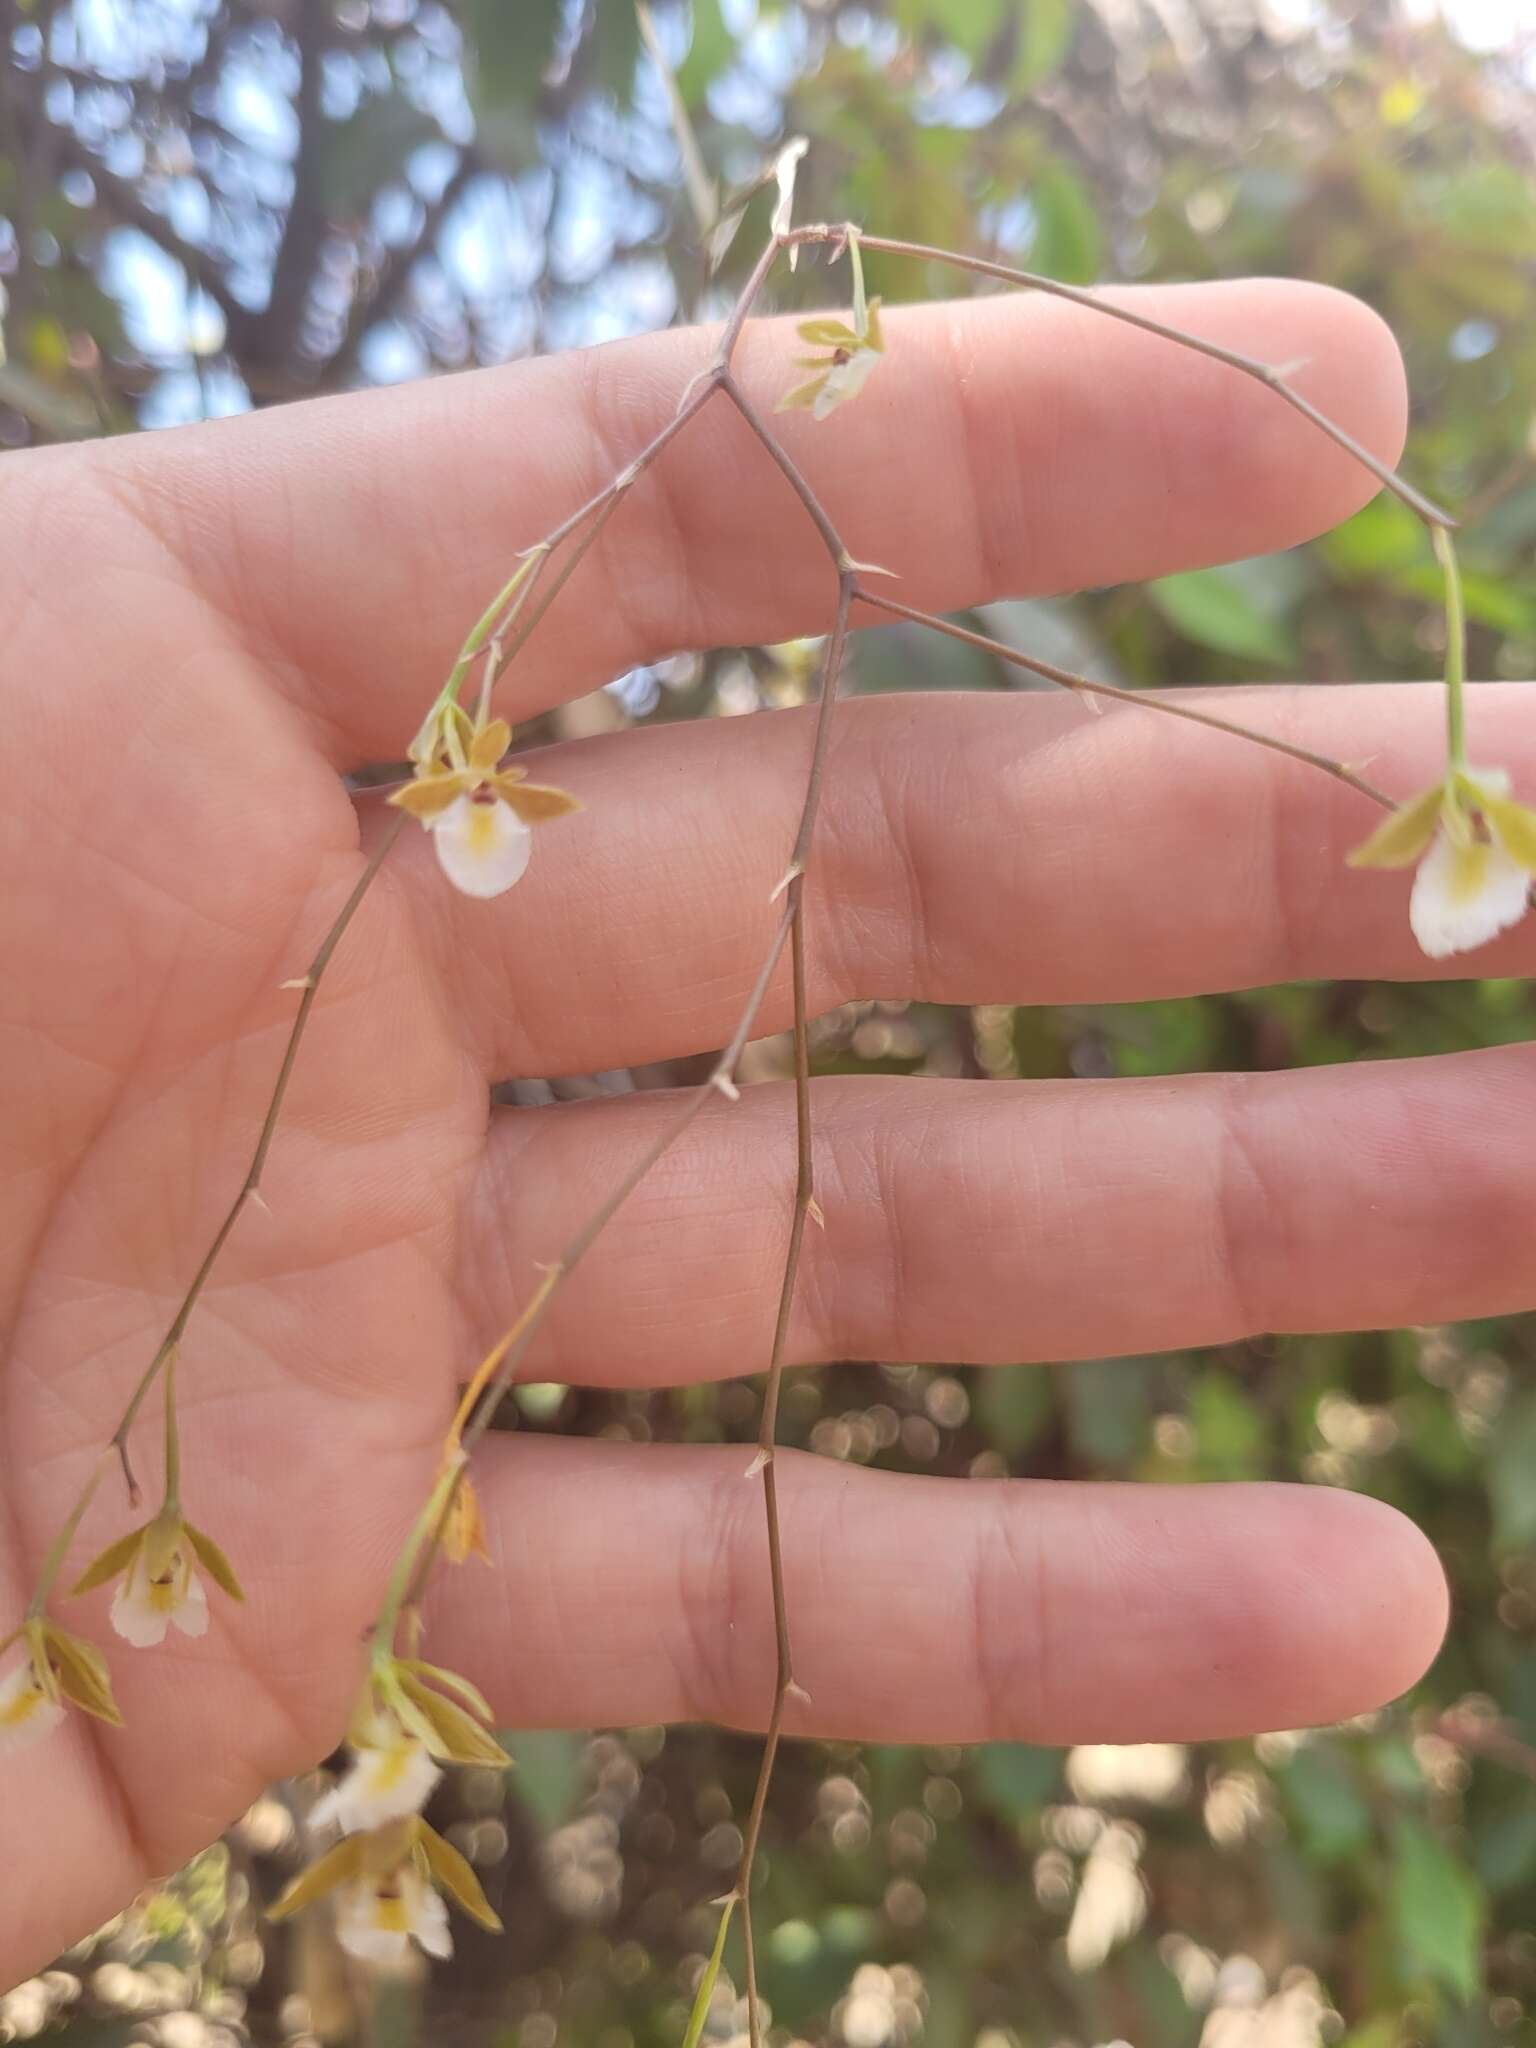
(1402, 837)
(453, 1874)
(445, 1728)
(215, 1563)
(337, 1866)
(1515, 825)
(706, 1990)
(111, 1564)
(81, 1671)
(436, 1674)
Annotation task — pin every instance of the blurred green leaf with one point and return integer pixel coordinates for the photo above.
(1437, 1911)
(710, 49)
(1108, 1401)
(1211, 607)
(1512, 1477)
(1043, 35)
(1013, 1404)
(1230, 1432)
(1016, 1777)
(1068, 241)
(1321, 1791)
(549, 1770)
(1504, 1846)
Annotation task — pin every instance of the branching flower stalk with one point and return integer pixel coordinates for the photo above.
(389, 1868)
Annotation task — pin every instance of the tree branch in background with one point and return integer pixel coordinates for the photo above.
(370, 306)
(118, 198)
(276, 332)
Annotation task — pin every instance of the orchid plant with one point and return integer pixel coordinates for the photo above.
(387, 1875)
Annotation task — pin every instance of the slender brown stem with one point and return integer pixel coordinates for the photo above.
(805, 1184)
(310, 984)
(1249, 366)
(1146, 699)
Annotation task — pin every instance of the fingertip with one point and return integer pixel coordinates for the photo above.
(1377, 1605)
(1358, 377)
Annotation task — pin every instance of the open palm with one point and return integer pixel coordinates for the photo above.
(207, 628)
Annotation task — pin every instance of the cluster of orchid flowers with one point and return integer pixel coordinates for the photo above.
(389, 1872)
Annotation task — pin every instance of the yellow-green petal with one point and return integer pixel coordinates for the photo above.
(535, 802)
(827, 332)
(430, 795)
(803, 396)
(489, 744)
(1400, 838)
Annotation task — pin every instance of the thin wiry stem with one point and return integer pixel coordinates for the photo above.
(310, 984)
(1249, 366)
(1148, 700)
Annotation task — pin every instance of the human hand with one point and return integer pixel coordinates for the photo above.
(209, 625)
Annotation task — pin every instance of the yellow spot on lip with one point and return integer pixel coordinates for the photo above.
(21, 1709)
(482, 829)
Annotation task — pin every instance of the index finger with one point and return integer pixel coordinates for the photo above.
(1008, 445)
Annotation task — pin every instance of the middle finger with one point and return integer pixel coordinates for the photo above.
(972, 848)
(985, 1222)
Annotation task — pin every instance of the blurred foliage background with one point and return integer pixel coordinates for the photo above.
(208, 205)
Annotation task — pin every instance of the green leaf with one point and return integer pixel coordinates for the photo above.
(1229, 1430)
(1042, 39)
(1211, 607)
(709, 51)
(1511, 1484)
(551, 1770)
(1504, 1848)
(706, 1990)
(971, 25)
(1382, 537)
(1326, 1802)
(1016, 1777)
(1013, 1404)
(1437, 1911)
(1068, 241)
(1107, 1401)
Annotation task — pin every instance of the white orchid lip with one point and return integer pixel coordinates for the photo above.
(482, 845)
(1465, 895)
(27, 1713)
(152, 1595)
(478, 808)
(377, 1918)
(383, 1783)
